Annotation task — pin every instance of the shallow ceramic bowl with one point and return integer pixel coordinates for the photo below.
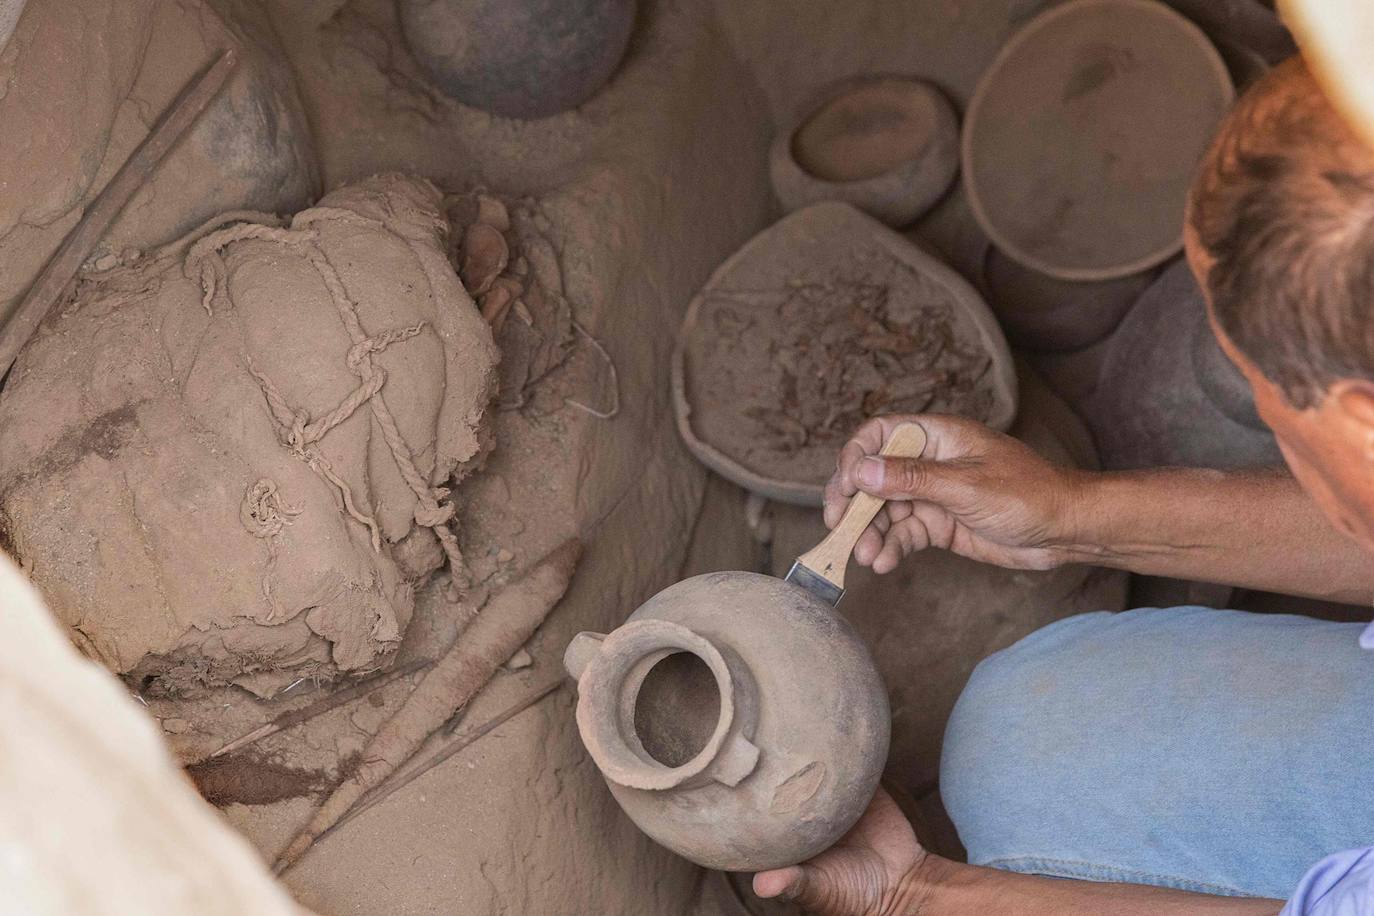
(1082, 137)
(887, 145)
(817, 244)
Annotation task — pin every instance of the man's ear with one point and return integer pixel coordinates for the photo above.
(1354, 399)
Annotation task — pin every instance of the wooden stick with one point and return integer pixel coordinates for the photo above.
(505, 624)
(830, 557)
(91, 228)
(293, 717)
(406, 775)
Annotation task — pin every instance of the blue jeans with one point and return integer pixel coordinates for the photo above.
(1214, 751)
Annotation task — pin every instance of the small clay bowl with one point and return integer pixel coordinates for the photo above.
(887, 145)
(1082, 137)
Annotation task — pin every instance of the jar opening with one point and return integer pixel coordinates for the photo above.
(677, 708)
(611, 718)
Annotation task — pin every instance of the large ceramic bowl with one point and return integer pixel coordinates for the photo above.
(888, 145)
(1082, 137)
(895, 330)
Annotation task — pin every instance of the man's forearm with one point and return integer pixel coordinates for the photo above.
(939, 887)
(1253, 529)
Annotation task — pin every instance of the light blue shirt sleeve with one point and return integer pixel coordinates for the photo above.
(1339, 885)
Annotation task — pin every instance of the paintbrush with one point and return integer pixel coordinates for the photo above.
(821, 569)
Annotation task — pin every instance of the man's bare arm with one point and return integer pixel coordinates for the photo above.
(940, 887)
(879, 869)
(986, 496)
(1255, 529)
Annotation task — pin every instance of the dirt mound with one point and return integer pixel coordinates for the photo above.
(227, 462)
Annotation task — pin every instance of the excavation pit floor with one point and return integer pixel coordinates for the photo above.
(640, 194)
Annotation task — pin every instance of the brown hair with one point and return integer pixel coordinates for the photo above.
(1283, 204)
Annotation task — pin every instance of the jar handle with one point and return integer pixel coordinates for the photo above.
(736, 760)
(580, 652)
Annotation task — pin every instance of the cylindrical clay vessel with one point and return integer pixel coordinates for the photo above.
(737, 719)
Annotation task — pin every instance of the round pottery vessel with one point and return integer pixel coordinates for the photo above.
(887, 145)
(1166, 393)
(738, 720)
(9, 18)
(1081, 139)
(518, 58)
(1046, 313)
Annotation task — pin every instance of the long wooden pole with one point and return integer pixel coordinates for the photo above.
(91, 228)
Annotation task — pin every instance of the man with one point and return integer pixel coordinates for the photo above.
(1178, 760)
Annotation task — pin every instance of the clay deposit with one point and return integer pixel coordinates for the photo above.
(281, 409)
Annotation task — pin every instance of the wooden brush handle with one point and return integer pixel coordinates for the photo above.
(829, 558)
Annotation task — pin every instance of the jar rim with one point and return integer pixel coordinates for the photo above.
(609, 689)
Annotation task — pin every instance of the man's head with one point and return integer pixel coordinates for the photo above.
(1280, 234)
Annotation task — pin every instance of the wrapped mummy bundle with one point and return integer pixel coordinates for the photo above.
(228, 462)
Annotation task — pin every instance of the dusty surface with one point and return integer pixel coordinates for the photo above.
(510, 824)
(220, 496)
(782, 378)
(938, 615)
(676, 709)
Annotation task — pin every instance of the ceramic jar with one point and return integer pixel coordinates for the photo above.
(518, 58)
(737, 719)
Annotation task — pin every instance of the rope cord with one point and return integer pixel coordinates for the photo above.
(295, 428)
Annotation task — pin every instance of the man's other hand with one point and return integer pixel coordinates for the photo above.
(975, 491)
(872, 871)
